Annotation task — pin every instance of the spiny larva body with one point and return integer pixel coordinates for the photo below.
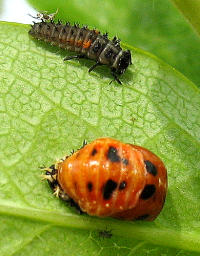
(87, 43)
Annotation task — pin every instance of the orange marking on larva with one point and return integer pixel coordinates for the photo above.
(86, 44)
(79, 43)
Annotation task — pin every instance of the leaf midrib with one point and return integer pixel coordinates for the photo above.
(145, 231)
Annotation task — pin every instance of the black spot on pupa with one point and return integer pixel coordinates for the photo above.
(125, 161)
(112, 155)
(122, 185)
(150, 168)
(90, 186)
(143, 217)
(108, 189)
(148, 191)
(94, 151)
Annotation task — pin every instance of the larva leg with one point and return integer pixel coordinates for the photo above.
(94, 66)
(115, 79)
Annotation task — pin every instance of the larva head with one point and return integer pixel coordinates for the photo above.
(123, 62)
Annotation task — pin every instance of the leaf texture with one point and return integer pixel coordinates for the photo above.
(48, 107)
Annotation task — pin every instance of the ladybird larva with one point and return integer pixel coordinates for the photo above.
(85, 42)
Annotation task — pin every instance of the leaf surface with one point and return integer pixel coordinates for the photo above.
(48, 107)
(191, 10)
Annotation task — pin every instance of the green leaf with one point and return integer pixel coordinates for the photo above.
(191, 10)
(151, 25)
(48, 107)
